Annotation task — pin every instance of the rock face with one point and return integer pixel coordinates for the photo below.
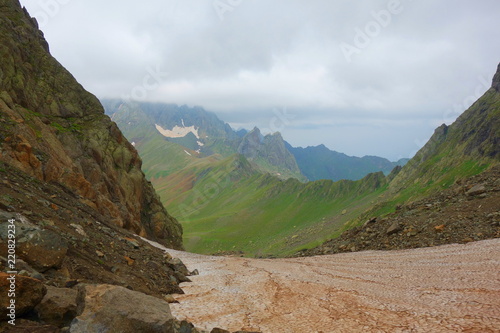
(270, 148)
(117, 309)
(54, 130)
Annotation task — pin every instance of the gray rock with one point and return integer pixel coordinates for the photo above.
(177, 265)
(394, 228)
(41, 249)
(58, 307)
(476, 190)
(107, 308)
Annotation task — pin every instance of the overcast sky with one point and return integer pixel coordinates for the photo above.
(362, 77)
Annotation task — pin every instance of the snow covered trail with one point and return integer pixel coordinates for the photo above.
(451, 288)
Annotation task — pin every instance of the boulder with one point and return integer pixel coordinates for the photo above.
(58, 307)
(42, 249)
(107, 308)
(28, 292)
(177, 265)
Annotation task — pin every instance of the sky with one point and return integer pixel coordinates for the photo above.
(367, 77)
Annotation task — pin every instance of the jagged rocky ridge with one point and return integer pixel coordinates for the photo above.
(55, 131)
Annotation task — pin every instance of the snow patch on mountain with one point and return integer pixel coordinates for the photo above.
(177, 131)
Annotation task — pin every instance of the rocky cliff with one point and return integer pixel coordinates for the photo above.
(270, 153)
(54, 130)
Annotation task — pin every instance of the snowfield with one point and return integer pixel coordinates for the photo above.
(451, 288)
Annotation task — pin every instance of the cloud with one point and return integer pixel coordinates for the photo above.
(418, 66)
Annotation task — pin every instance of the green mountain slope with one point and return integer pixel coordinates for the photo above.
(227, 203)
(467, 147)
(201, 133)
(231, 206)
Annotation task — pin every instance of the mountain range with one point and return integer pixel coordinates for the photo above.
(203, 133)
(86, 198)
(237, 192)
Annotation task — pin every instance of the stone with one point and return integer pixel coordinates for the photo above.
(132, 242)
(58, 307)
(177, 265)
(439, 228)
(476, 190)
(372, 220)
(79, 229)
(170, 299)
(108, 308)
(394, 228)
(129, 260)
(185, 327)
(41, 249)
(29, 292)
(219, 330)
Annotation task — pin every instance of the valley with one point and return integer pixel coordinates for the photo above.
(239, 192)
(126, 216)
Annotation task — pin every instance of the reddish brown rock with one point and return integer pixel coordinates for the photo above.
(19, 295)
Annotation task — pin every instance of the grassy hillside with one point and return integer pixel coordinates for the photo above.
(232, 207)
